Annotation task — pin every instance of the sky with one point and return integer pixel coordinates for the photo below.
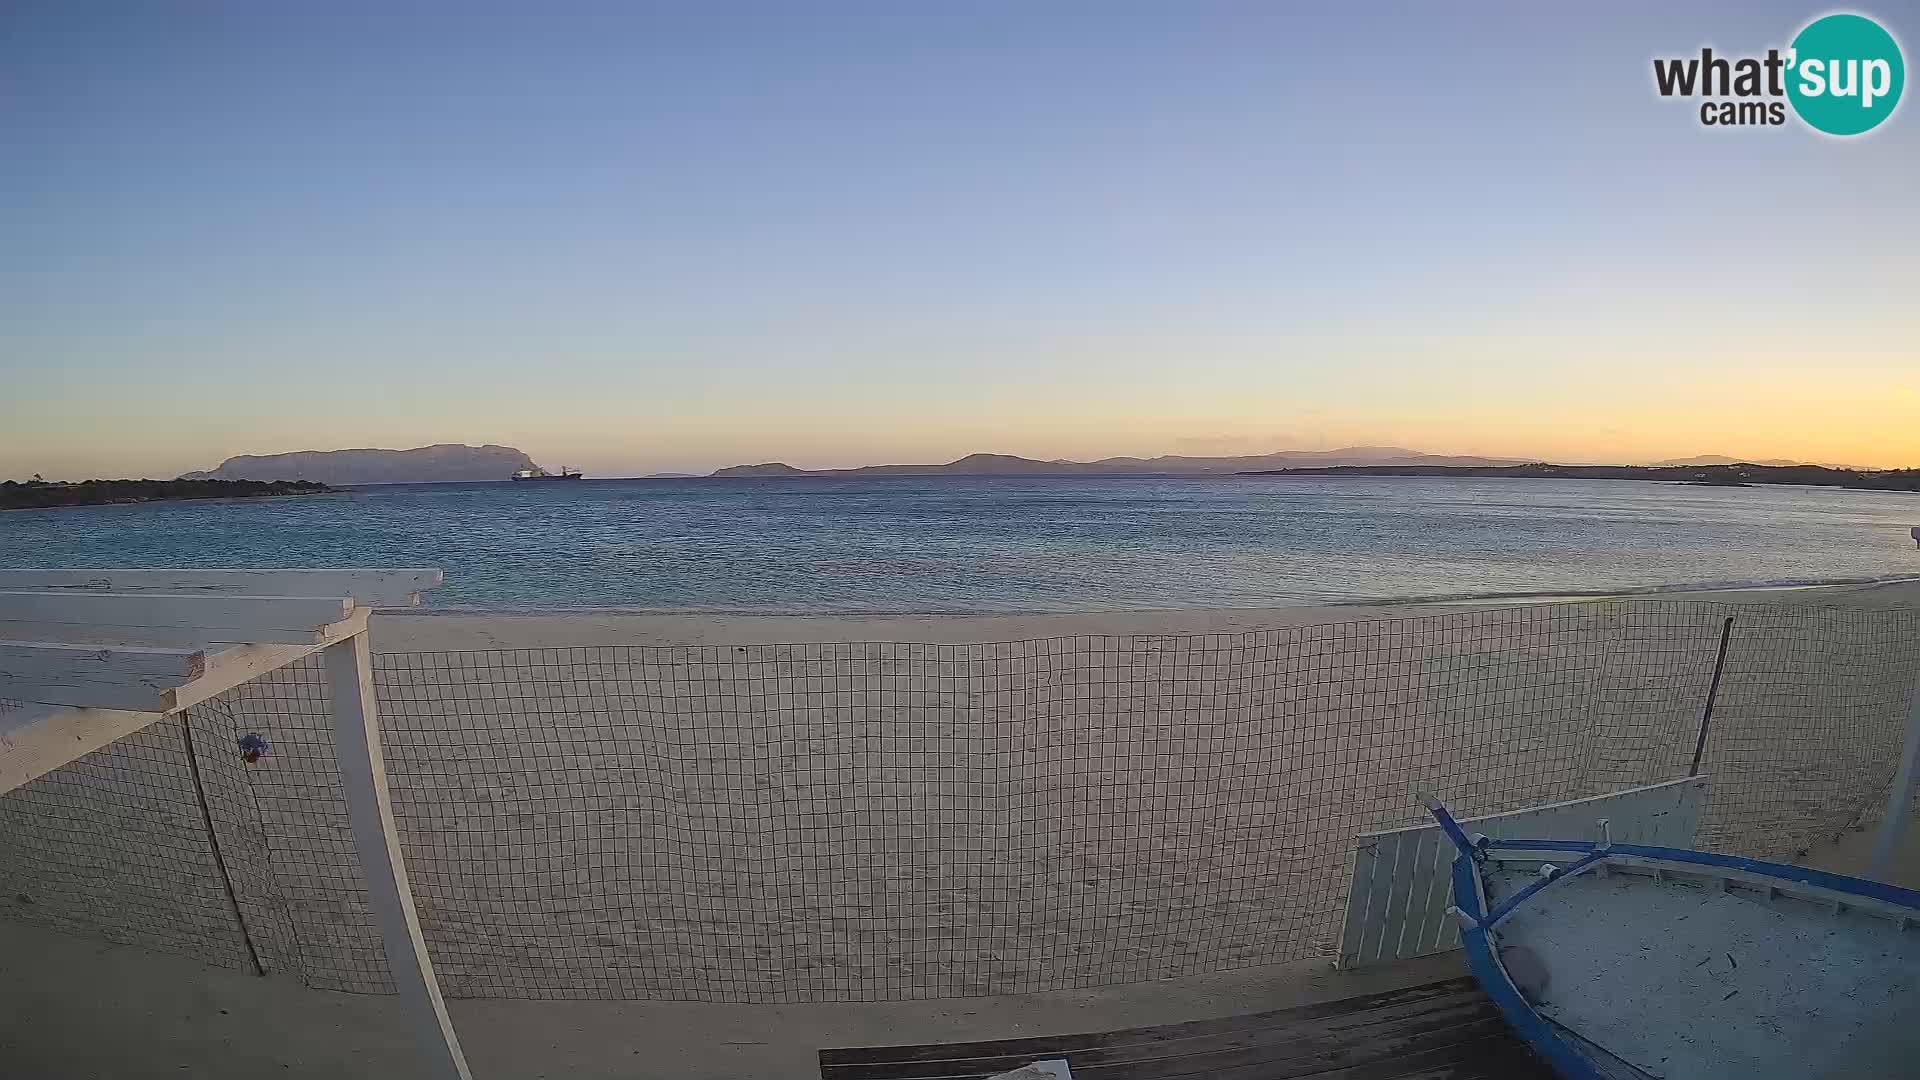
(634, 238)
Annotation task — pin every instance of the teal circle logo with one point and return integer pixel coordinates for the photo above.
(1845, 74)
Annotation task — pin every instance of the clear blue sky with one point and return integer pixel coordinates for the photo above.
(831, 234)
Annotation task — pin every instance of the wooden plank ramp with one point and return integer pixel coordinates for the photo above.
(1448, 1029)
(1402, 878)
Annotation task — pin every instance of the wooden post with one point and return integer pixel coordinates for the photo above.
(363, 773)
(1900, 798)
(1713, 692)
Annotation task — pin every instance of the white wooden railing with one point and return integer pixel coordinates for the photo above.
(88, 656)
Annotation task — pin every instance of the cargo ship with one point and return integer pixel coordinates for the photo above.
(538, 473)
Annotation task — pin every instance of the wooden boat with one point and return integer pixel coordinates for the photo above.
(1627, 962)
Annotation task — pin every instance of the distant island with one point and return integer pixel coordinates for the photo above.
(43, 493)
(440, 463)
(1168, 465)
(1722, 459)
(1739, 475)
(459, 463)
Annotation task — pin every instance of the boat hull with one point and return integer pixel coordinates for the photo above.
(1634, 961)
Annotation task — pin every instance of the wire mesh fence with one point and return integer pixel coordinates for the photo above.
(114, 846)
(878, 821)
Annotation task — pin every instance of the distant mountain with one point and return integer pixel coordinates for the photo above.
(1168, 465)
(1722, 459)
(427, 464)
(1744, 474)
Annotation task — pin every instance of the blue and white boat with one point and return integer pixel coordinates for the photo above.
(1627, 962)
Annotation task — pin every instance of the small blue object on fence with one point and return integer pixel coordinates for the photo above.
(253, 747)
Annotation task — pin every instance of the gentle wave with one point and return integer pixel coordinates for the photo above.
(1449, 598)
(976, 546)
(1768, 585)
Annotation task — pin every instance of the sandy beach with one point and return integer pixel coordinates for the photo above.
(196, 1013)
(811, 808)
(428, 630)
(785, 811)
(798, 808)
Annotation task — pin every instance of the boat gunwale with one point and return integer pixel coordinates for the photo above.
(1483, 959)
(1823, 880)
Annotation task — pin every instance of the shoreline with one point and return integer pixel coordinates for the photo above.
(453, 630)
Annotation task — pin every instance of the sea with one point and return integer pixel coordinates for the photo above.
(1006, 544)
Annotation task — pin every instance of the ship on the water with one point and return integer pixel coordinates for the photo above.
(538, 473)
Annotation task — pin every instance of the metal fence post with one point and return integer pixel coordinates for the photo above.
(1713, 691)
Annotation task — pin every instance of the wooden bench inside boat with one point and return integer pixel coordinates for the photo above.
(1448, 1029)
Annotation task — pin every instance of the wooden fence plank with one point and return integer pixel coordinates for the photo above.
(96, 676)
(138, 693)
(185, 637)
(213, 612)
(110, 676)
(1366, 868)
(1422, 889)
(363, 777)
(26, 658)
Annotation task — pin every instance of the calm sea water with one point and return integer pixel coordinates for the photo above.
(972, 545)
